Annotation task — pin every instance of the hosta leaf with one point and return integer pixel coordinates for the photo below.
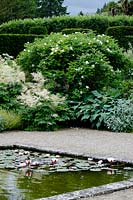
(93, 117)
(96, 94)
(85, 117)
(98, 124)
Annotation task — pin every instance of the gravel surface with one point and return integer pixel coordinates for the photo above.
(100, 144)
(80, 141)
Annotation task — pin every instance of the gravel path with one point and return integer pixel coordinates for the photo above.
(80, 141)
(100, 144)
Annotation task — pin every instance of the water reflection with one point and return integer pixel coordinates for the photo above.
(26, 184)
(8, 184)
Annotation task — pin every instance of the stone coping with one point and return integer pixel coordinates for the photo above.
(94, 191)
(85, 193)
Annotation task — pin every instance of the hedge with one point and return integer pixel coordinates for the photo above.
(22, 26)
(120, 33)
(38, 30)
(130, 39)
(97, 23)
(12, 44)
(73, 30)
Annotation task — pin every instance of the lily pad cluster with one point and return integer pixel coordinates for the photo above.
(20, 159)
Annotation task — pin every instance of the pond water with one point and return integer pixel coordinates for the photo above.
(44, 177)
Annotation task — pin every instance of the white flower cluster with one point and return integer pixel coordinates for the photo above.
(10, 72)
(38, 78)
(99, 41)
(57, 48)
(54, 50)
(34, 93)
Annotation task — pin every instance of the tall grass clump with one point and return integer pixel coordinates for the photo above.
(10, 120)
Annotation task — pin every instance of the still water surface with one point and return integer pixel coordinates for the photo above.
(21, 185)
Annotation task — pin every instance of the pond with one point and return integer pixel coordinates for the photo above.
(32, 175)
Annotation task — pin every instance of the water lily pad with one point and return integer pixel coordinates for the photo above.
(9, 167)
(95, 169)
(62, 170)
(128, 168)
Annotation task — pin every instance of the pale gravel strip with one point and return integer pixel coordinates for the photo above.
(80, 141)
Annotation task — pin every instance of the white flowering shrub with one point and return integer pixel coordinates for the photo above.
(34, 93)
(77, 63)
(41, 110)
(28, 103)
(11, 79)
(10, 72)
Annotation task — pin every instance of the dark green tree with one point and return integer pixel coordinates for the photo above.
(16, 9)
(124, 7)
(81, 13)
(111, 8)
(130, 8)
(127, 6)
(48, 8)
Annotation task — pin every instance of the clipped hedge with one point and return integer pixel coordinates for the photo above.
(38, 30)
(22, 26)
(97, 23)
(73, 30)
(13, 44)
(120, 33)
(130, 39)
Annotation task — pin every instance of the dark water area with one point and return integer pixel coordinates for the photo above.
(49, 175)
(15, 185)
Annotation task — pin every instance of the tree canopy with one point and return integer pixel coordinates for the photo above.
(16, 9)
(21, 9)
(115, 8)
(48, 8)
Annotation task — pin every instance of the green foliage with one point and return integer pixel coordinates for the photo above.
(90, 71)
(119, 117)
(120, 20)
(12, 44)
(111, 8)
(57, 24)
(39, 109)
(106, 110)
(38, 30)
(22, 26)
(120, 33)
(130, 40)
(96, 23)
(73, 30)
(9, 120)
(2, 126)
(10, 83)
(94, 108)
(45, 116)
(76, 63)
(8, 93)
(16, 9)
(47, 8)
(116, 8)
